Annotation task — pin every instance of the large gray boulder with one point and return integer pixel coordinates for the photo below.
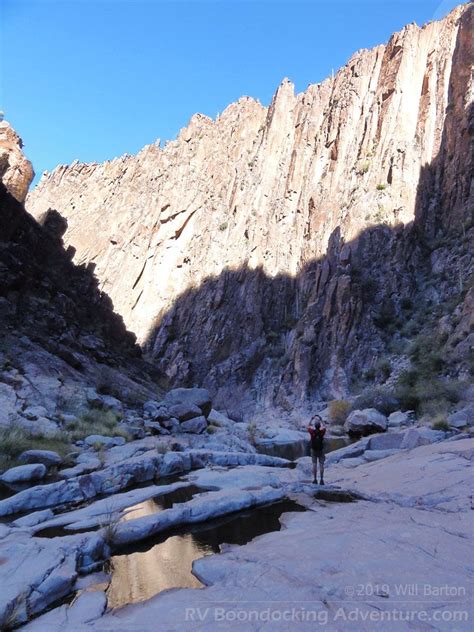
(399, 418)
(196, 425)
(364, 422)
(24, 473)
(190, 397)
(185, 411)
(46, 457)
(462, 418)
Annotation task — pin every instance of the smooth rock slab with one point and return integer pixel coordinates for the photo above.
(24, 473)
(416, 437)
(203, 507)
(138, 469)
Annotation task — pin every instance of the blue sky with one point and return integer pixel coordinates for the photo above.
(93, 79)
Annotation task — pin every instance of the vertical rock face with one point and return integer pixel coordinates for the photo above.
(260, 254)
(16, 171)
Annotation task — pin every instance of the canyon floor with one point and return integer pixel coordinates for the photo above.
(386, 542)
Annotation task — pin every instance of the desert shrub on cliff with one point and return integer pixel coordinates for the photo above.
(338, 411)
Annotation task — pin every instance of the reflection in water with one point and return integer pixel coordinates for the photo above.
(139, 576)
(167, 562)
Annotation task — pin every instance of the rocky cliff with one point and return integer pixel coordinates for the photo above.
(275, 254)
(16, 171)
(59, 335)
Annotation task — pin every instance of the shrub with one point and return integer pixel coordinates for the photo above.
(14, 440)
(252, 432)
(161, 448)
(338, 411)
(363, 168)
(381, 187)
(95, 422)
(427, 395)
(211, 429)
(440, 424)
(223, 226)
(383, 368)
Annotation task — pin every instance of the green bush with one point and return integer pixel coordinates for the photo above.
(338, 411)
(381, 187)
(383, 368)
(427, 395)
(95, 421)
(14, 440)
(440, 424)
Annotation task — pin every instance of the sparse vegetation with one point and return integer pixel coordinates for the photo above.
(95, 421)
(252, 432)
(338, 411)
(211, 429)
(381, 187)
(14, 440)
(109, 525)
(161, 448)
(223, 226)
(440, 424)
(363, 168)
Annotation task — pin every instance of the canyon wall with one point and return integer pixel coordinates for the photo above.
(269, 255)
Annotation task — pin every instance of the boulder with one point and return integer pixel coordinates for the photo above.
(46, 457)
(197, 396)
(219, 419)
(111, 403)
(399, 418)
(172, 424)
(107, 442)
(24, 473)
(420, 436)
(196, 425)
(35, 412)
(386, 441)
(365, 422)
(156, 428)
(156, 411)
(462, 418)
(185, 411)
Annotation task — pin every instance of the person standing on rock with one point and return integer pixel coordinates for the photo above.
(316, 432)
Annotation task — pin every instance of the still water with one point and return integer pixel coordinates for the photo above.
(166, 562)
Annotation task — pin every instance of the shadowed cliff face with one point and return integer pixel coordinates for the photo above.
(58, 331)
(267, 255)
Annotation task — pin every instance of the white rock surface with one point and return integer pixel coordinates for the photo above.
(24, 473)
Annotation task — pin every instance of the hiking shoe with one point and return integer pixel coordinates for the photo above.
(321, 482)
(315, 481)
